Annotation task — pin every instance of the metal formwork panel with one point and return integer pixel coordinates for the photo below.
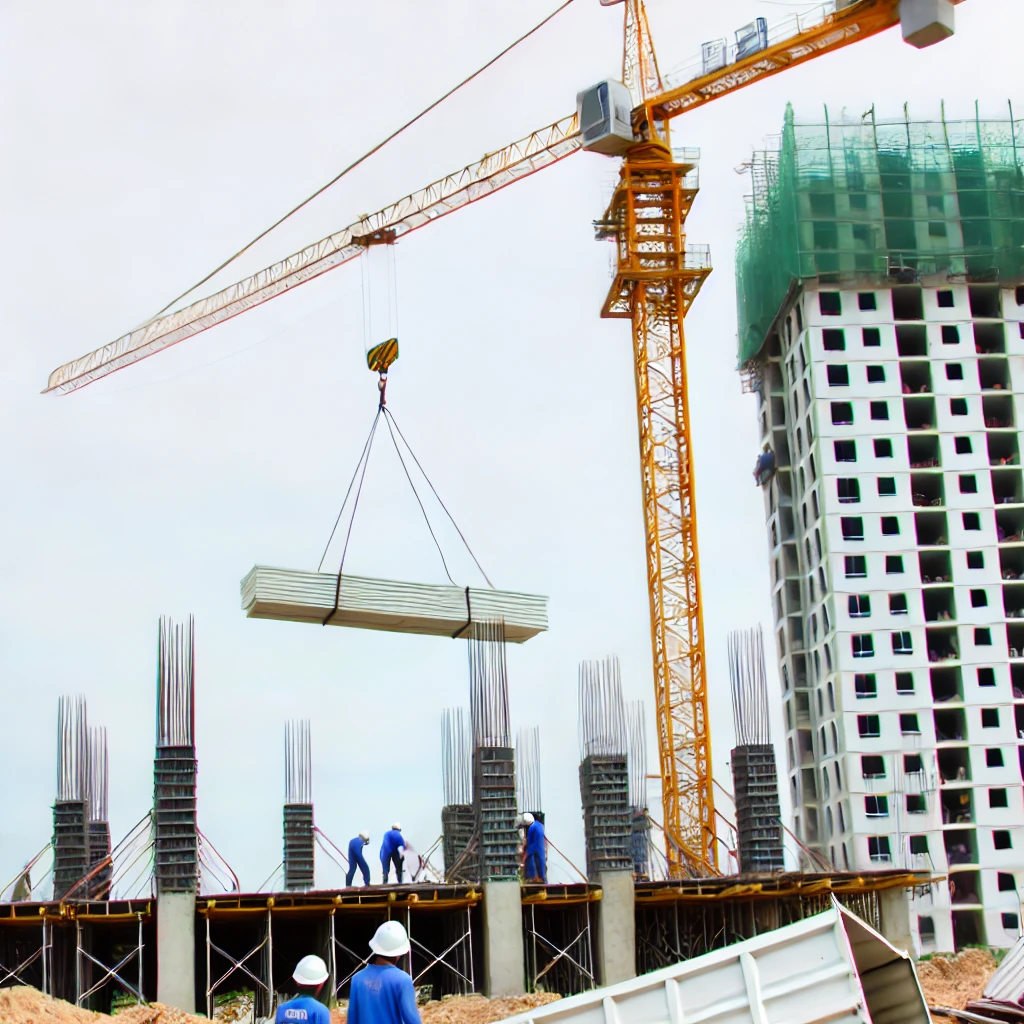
(494, 799)
(298, 847)
(758, 823)
(70, 845)
(640, 842)
(99, 851)
(607, 819)
(176, 847)
(457, 825)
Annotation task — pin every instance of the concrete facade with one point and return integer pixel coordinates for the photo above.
(896, 527)
(176, 950)
(615, 951)
(504, 960)
(894, 911)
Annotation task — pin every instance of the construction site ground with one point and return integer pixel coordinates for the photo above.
(954, 981)
(28, 1006)
(946, 980)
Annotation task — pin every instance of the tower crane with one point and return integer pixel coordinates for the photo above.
(656, 280)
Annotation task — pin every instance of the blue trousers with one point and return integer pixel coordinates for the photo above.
(364, 869)
(535, 866)
(385, 867)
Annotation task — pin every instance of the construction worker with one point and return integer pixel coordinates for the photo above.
(764, 468)
(382, 993)
(309, 977)
(356, 858)
(535, 869)
(392, 851)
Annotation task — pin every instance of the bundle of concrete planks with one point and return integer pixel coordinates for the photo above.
(294, 595)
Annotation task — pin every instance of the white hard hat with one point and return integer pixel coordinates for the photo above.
(390, 939)
(397, 826)
(527, 818)
(365, 835)
(310, 970)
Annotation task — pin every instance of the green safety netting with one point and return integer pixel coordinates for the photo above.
(851, 201)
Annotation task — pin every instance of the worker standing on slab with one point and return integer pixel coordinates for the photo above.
(535, 869)
(309, 977)
(356, 858)
(392, 851)
(382, 993)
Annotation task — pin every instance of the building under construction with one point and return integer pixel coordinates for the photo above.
(881, 323)
(160, 916)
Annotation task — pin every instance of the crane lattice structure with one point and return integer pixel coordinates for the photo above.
(656, 280)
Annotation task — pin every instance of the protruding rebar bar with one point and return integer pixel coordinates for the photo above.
(636, 730)
(70, 809)
(298, 762)
(602, 719)
(488, 684)
(749, 687)
(99, 779)
(72, 749)
(456, 756)
(528, 796)
(175, 689)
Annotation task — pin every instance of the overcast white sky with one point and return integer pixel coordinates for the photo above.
(143, 143)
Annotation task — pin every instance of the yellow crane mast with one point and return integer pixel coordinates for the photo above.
(656, 280)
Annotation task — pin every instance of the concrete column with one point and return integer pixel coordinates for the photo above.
(616, 927)
(176, 950)
(504, 962)
(894, 910)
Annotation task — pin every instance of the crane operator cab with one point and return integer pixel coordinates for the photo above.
(604, 111)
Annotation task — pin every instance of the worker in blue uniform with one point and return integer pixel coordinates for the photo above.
(764, 468)
(382, 993)
(392, 851)
(536, 868)
(309, 977)
(356, 858)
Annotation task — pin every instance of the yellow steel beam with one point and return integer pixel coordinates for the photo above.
(786, 887)
(859, 21)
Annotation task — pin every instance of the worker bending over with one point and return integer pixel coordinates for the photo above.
(382, 993)
(356, 858)
(309, 977)
(536, 869)
(392, 851)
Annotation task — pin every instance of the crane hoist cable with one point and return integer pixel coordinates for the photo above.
(362, 159)
(359, 476)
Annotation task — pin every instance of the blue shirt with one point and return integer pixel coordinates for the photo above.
(535, 838)
(303, 1008)
(382, 994)
(392, 841)
(355, 849)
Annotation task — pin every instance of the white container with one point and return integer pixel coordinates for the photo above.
(828, 968)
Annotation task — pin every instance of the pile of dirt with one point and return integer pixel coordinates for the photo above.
(24, 1005)
(28, 1006)
(478, 1010)
(470, 1009)
(954, 981)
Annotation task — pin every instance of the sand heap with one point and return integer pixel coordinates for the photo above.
(28, 1006)
(471, 1009)
(954, 981)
